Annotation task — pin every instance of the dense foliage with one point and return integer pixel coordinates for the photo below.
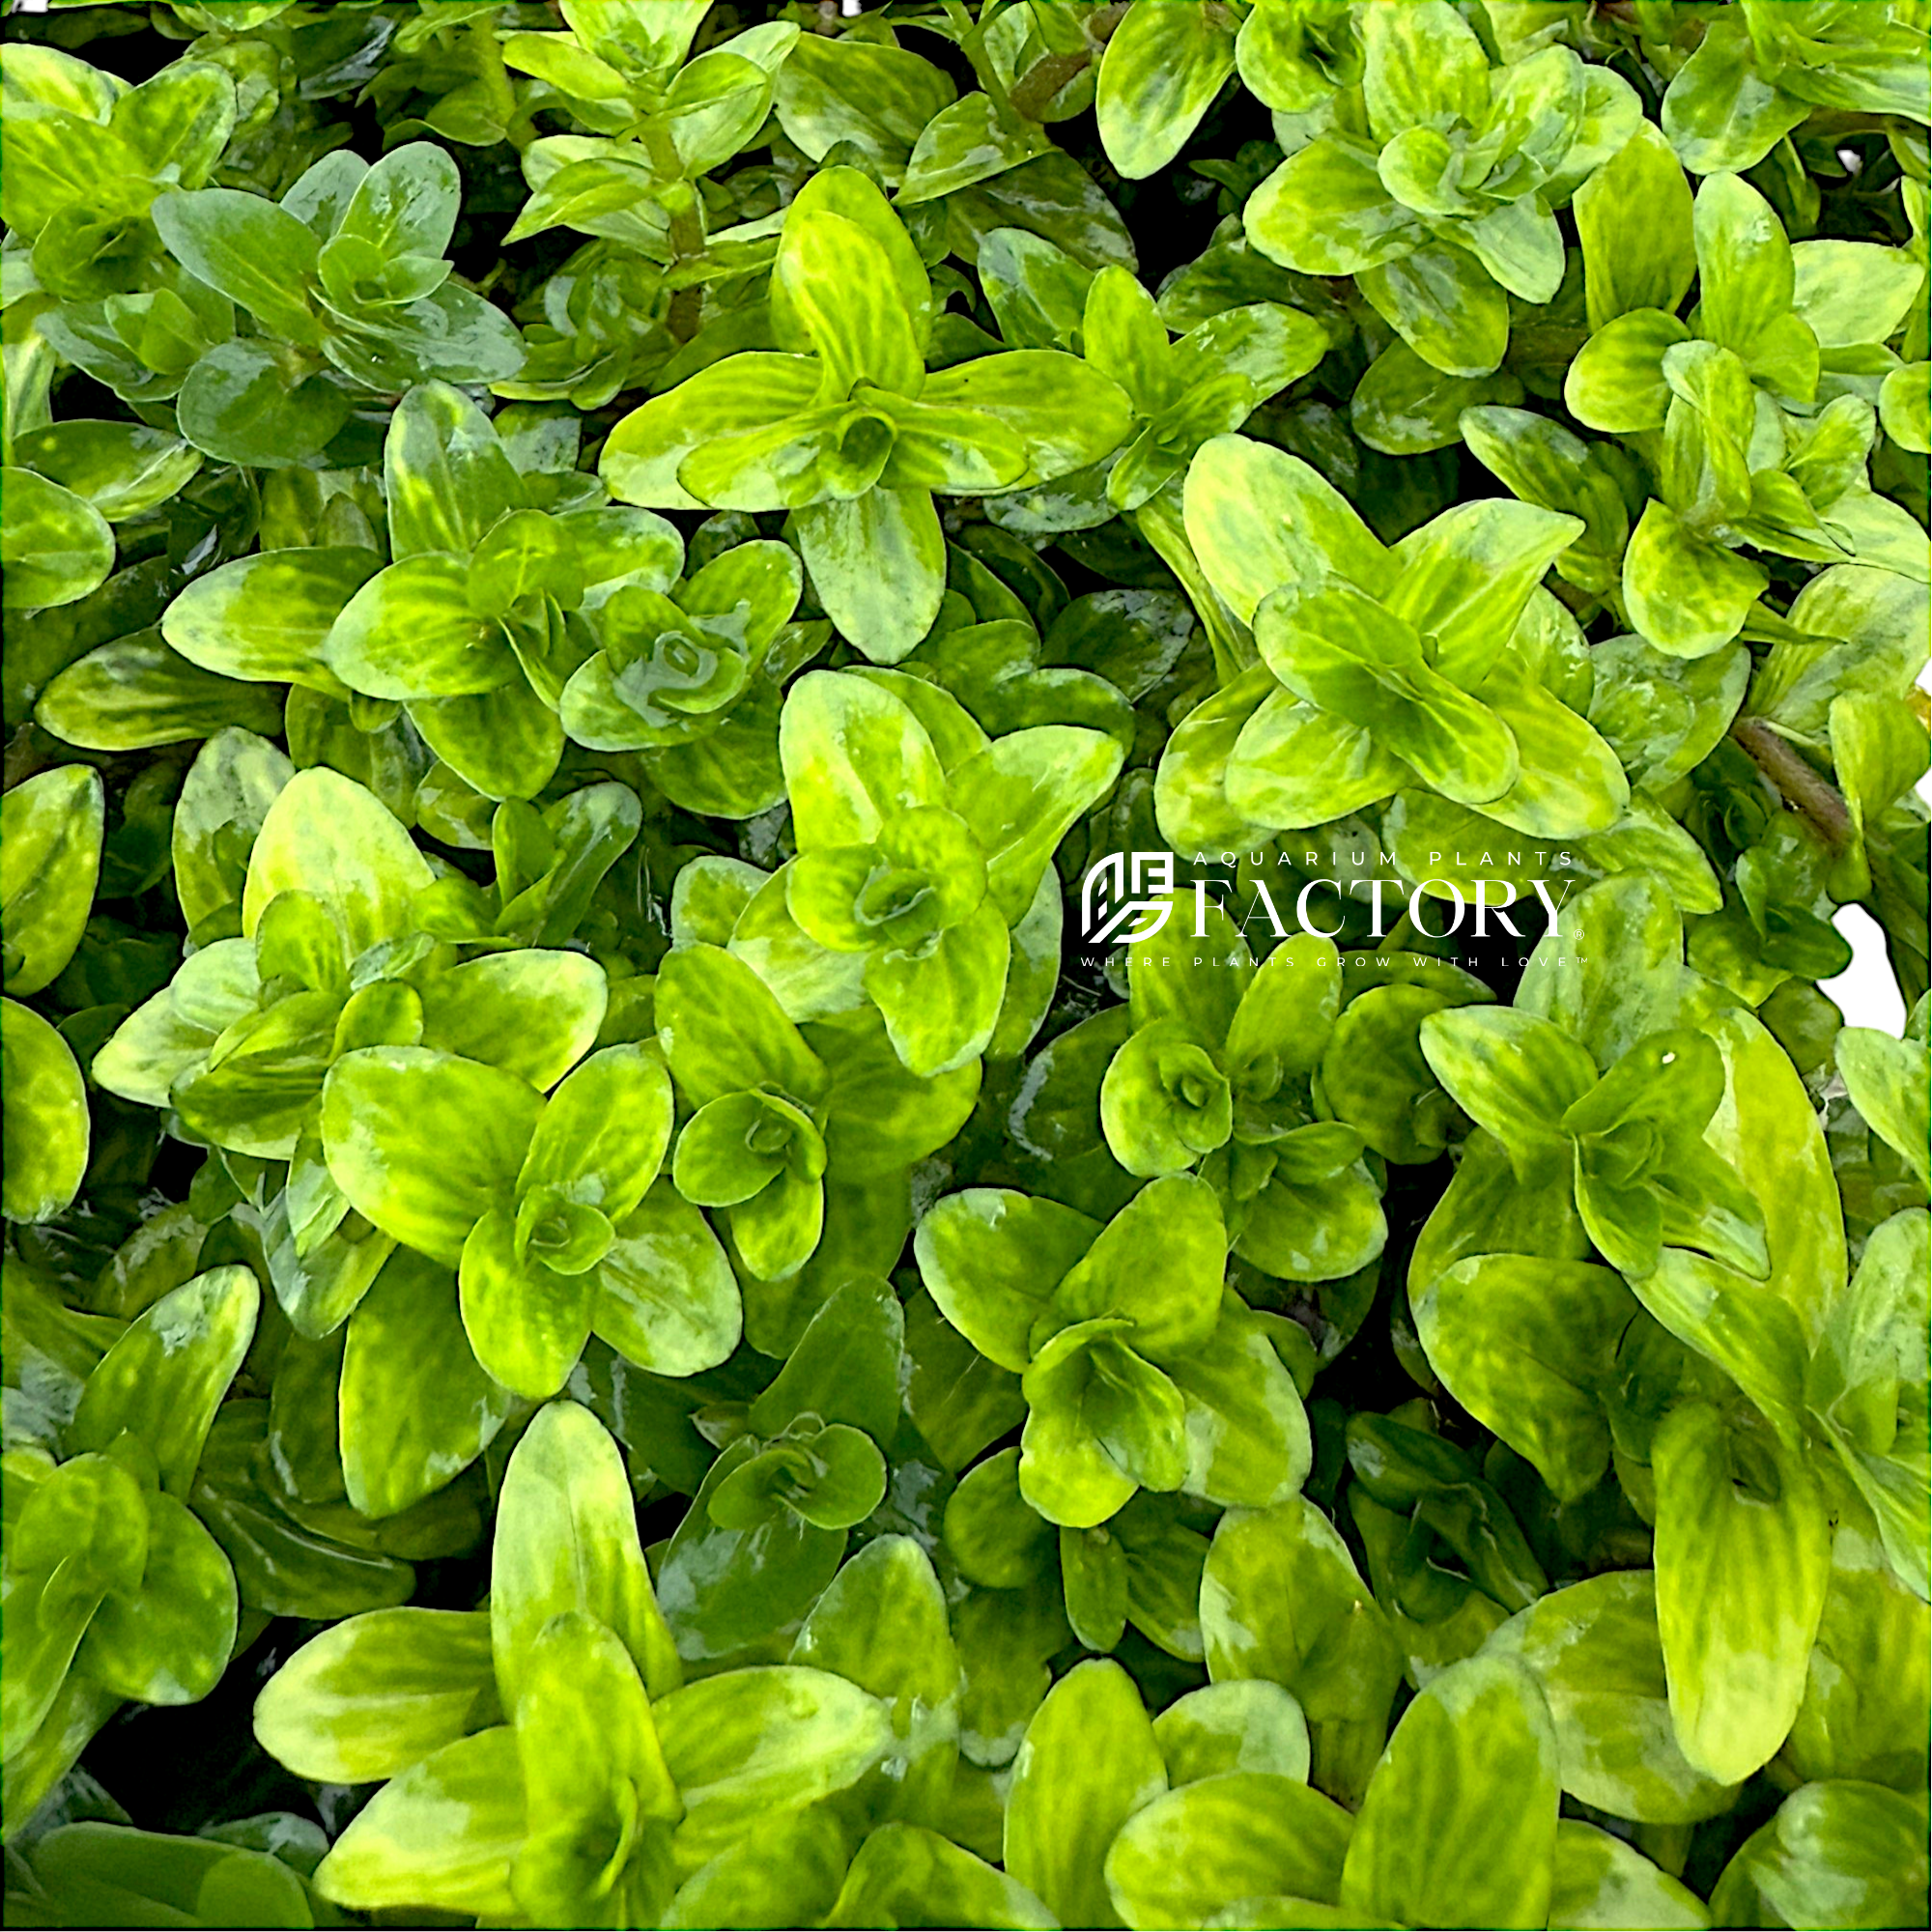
(619, 1310)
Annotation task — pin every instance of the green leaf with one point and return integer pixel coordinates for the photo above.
(136, 693)
(1344, 653)
(1087, 1764)
(1239, 1834)
(876, 96)
(1719, 112)
(1248, 1433)
(964, 143)
(1634, 219)
(1324, 212)
(991, 1532)
(1467, 574)
(165, 1378)
(837, 286)
(442, 1834)
(1459, 1818)
(845, 1366)
(1375, 1077)
(57, 546)
(262, 403)
(1443, 301)
(667, 1299)
(527, 1321)
(393, 1121)
(1098, 1421)
(603, 1133)
(905, 1871)
(1867, 1682)
(854, 754)
(1527, 1347)
(567, 1540)
(248, 249)
(377, 1693)
(267, 617)
(447, 477)
(1743, 1561)
(532, 1013)
(1616, 381)
(1089, 417)
(168, 1641)
(592, 1761)
(990, 1258)
(749, 1741)
(1404, 407)
(409, 633)
(1905, 406)
(1271, 773)
(882, 1624)
(785, 1867)
(1333, 1649)
(1422, 66)
(1602, 1880)
(646, 451)
(1836, 1855)
(941, 1000)
(1770, 1136)
(1258, 517)
(504, 743)
(124, 469)
(50, 832)
(1888, 1082)
(1168, 1285)
(1246, 1725)
(1038, 292)
(1594, 1648)
(877, 563)
(1510, 1072)
(880, 1118)
(1160, 74)
(329, 835)
(1164, 1103)
(407, 203)
(831, 1478)
(415, 1407)
(1745, 263)
(1022, 793)
(724, 1033)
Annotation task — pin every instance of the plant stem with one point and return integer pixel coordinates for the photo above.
(1035, 92)
(1804, 790)
(973, 45)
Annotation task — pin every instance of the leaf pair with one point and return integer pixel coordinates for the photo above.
(347, 278)
(1218, 1073)
(1788, 325)
(1118, 1354)
(114, 1587)
(1441, 205)
(547, 1215)
(845, 427)
(691, 678)
(1643, 1174)
(241, 1037)
(1389, 667)
(922, 847)
(606, 1773)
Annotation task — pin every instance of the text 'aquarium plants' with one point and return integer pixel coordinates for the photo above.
(920, 927)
